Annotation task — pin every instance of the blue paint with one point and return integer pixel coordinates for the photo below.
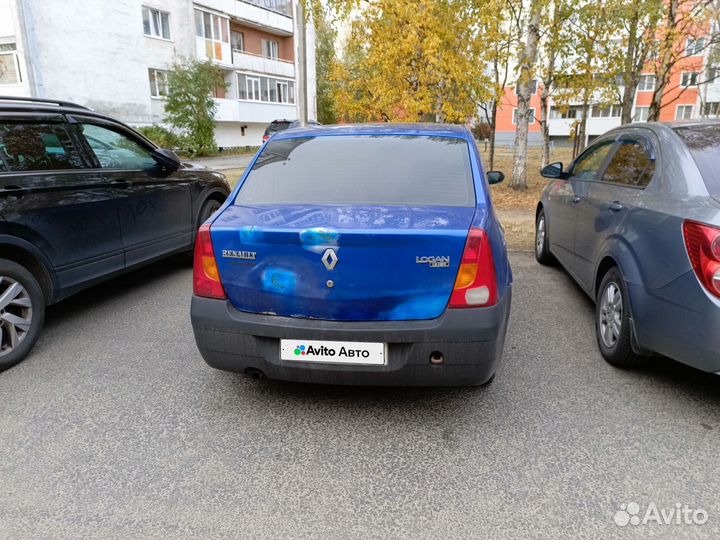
(377, 276)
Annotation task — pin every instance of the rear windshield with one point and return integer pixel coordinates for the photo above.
(704, 144)
(277, 126)
(362, 169)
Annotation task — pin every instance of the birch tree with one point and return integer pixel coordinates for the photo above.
(526, 63)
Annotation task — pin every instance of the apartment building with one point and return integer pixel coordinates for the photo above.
(693, 92)
(114, 55)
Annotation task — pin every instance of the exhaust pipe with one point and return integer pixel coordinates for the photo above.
(254, 373)
(437, 358)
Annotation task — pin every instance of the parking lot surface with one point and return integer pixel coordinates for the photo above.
(114, 427)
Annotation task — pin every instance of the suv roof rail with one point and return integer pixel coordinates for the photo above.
(57, 102)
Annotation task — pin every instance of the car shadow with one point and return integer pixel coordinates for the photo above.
(681, 377)
(146, 276)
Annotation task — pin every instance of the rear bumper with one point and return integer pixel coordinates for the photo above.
(471, 341)
(682, 324)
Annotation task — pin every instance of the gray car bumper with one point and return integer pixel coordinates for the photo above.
(471, 341)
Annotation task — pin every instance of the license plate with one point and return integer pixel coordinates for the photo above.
(332, 352)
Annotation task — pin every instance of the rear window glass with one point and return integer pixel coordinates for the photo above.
(278, 126)
(704, 144)
(362, 169)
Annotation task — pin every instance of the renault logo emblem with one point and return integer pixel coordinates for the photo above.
(329, 259)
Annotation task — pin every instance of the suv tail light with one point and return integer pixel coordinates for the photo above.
(476, 283)
(206, 277)
(703, 246)
(265, 138)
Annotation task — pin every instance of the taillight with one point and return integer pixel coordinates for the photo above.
(206, 277)
(265, 138)
(703, 247)
(476, 283)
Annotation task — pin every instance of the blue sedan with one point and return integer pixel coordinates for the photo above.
(635, 220)
(357, 255)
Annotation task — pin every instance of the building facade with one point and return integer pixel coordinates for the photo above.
(693, 92)
(113, 56)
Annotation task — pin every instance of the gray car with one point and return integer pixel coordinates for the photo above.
(635, 220)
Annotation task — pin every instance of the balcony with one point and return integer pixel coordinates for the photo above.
(232, 110)
(258, 13)
(245, 61)
(283, 7)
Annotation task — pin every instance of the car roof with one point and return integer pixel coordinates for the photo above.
(428, 130)
(23, 105)
(661, 128)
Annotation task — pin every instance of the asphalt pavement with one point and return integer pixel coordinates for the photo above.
(114, 427)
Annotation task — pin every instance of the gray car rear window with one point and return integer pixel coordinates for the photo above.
(704, 144)
(362, 169)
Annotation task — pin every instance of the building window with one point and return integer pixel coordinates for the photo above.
(614, 111)
(237, 40)
(646, 83)
(694, 47)
(9, 68)
(689, 78)
(158, 82)
(270, 89)
(156, 23)
(641, 114)
(215, 30)
(565, 113)
(711, 110)
(270, 49)
(532, 116)
(684, 112)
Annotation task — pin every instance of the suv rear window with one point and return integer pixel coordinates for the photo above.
(704, 144)
(362, 169)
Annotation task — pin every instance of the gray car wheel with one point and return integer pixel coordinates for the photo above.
(22, 311)
(542, 245)
(612, 321)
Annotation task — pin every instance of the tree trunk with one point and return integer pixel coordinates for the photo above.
(544, 117)
(628, 102)
(493, 125)
(664, 70)
(527, 60)
(630, 77)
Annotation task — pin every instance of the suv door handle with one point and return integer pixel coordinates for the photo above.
(615, 206)
(120, 183)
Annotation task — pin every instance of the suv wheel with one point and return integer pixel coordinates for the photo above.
(612, 321)
(209, 207)
(22, 311)
(542, 245)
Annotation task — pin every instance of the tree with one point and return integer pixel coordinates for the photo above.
(638, 21)
(682, 20)
(324, 58)
(526, 62)
(502, 27)
(554, 45)
(190, 107)
(410, 61)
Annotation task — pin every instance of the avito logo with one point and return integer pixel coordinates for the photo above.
(302, 350)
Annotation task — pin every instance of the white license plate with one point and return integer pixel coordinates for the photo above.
(332, 352)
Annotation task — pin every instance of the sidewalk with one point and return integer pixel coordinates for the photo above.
(223, 163)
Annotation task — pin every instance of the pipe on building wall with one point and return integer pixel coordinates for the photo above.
(27, 31)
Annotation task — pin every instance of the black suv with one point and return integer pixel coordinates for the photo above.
(84, 198)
